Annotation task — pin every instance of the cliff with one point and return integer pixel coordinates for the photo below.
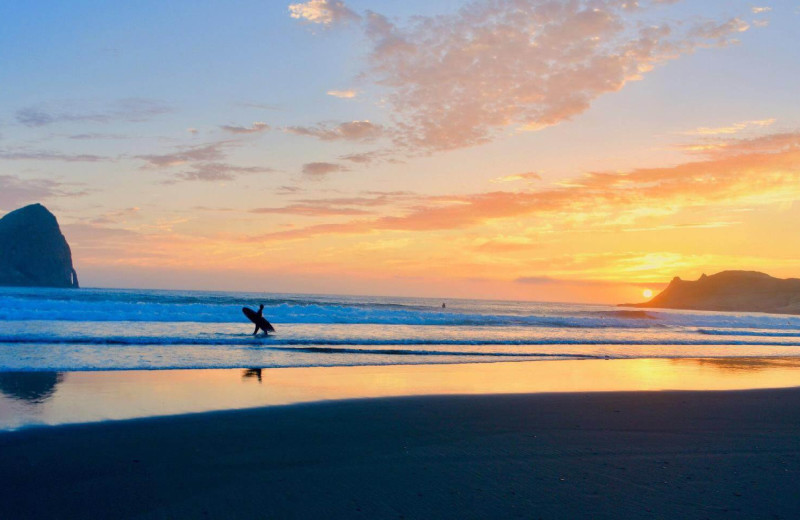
(740, 291)
(33, 252)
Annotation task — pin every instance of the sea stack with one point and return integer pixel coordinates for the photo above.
(33, 252)
(734, 291)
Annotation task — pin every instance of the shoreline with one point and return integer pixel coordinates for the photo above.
(670, 454)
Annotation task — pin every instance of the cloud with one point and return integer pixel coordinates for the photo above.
(260, 106)
(349, 131)
(750, 172)
(217, 171)
(321, 169)
(528, 177)
(344, 94)
(206, 162)
(731, 129)
(16, 192)
(458, 80)
(117, 217)
(372, 156)
(325, 12)
(767, 144)
(205, 152)
(130, 109)
(546, 280)
(340, 206)
(310, 210)
(255, 128)
(759, 10)
(47, 155)
(720, 32)
(98, 136)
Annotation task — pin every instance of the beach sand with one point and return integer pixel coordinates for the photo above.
(733, 454)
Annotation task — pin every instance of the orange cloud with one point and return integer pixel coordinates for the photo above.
(731, 129)
(753, 171)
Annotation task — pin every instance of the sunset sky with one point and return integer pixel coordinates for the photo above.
(570, 150)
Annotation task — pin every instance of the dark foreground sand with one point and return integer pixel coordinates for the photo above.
(604, 455)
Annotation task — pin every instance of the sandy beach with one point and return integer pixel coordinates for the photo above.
(731, 454)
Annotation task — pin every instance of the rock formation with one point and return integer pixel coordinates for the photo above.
(33, 252)
(740, 291)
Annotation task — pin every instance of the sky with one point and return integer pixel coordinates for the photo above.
(575, 150)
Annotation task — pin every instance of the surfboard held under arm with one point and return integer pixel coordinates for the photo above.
(260, 321)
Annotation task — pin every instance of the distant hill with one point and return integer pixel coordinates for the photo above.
(742, 291)
(33, 252)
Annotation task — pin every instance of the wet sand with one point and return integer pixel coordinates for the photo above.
(733, 454)
(37, 398)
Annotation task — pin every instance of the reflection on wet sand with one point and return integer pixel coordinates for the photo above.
(32, 387)
(741, 364)
(252, 372)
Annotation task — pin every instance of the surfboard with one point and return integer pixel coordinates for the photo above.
(262, 323)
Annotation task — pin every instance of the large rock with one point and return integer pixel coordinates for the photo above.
(33, 252)
(740, 291)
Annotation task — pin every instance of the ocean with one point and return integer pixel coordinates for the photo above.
(126, 329)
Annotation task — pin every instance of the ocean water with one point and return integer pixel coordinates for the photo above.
(115, 329)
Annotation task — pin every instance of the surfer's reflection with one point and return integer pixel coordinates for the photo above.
(252, 372)
(34, 387)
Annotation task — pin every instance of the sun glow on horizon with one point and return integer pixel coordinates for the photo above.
(647, 293)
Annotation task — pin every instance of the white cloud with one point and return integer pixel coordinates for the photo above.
(458, 80)
(325, 12)
(345, 94)
(759, 10)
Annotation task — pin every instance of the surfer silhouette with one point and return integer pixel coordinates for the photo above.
(258, 319)
(260, 314)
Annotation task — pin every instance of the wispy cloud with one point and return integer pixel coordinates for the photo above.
(311, 210)
(321, 169)
(130, 109)
(766, 144)
(216, 171)
(609, 200)
(186, 154)
(527, 177)
(49, 155)
(255, 128)
(348, 131)
(760, 10)
(732, 128)
(206, 162)
(15, 191)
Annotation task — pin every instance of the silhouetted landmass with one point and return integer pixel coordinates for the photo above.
(33, 252)
(34, 387)
(738, 291)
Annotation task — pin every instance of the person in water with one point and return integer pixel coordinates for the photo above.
(260, 314)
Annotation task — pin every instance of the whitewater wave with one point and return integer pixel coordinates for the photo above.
(756, 333)
(272, 341)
